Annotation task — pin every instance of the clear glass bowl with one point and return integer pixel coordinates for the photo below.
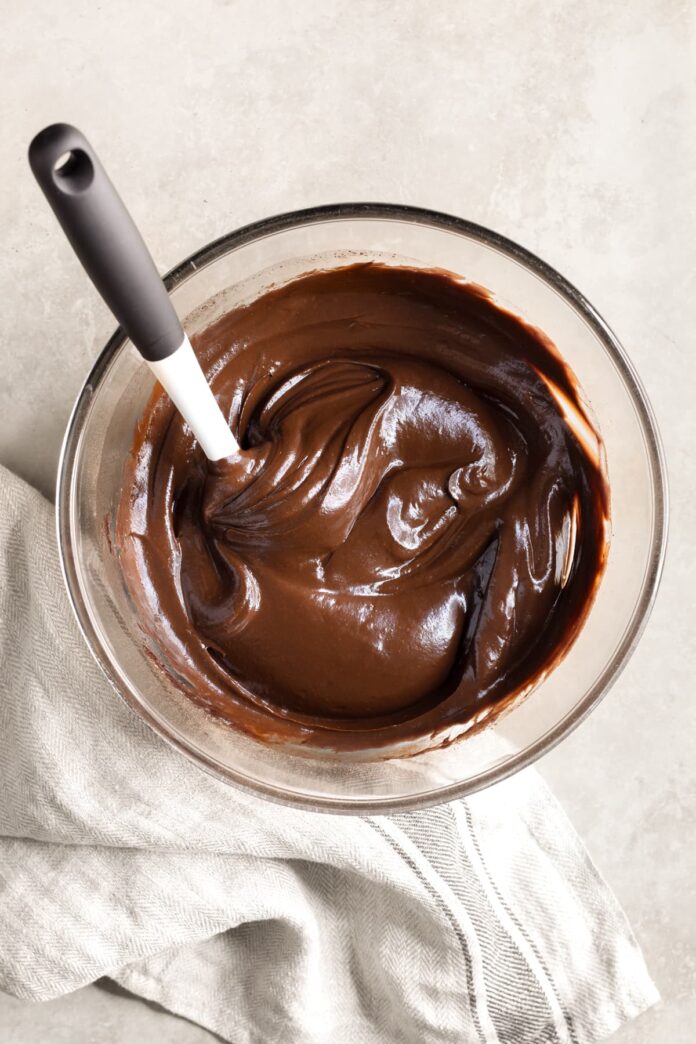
(237, 268)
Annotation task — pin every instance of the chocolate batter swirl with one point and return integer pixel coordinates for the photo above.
(412, 534)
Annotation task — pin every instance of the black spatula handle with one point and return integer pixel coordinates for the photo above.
(105, 239)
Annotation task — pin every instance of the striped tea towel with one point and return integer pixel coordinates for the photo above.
(482, 921)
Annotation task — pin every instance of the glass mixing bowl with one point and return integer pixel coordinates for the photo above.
(234, 270)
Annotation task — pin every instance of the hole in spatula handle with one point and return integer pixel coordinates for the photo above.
(73, 171)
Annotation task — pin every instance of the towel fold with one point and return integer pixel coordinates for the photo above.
(480, 921)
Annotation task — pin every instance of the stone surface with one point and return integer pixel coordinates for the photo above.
(566, 127)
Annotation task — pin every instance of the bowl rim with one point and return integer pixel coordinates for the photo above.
(69, 457)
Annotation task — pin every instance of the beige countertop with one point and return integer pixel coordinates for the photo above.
(568, 127)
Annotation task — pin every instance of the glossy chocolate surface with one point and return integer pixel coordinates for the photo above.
(414, 530)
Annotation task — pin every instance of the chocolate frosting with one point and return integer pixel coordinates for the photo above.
(411, 535)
